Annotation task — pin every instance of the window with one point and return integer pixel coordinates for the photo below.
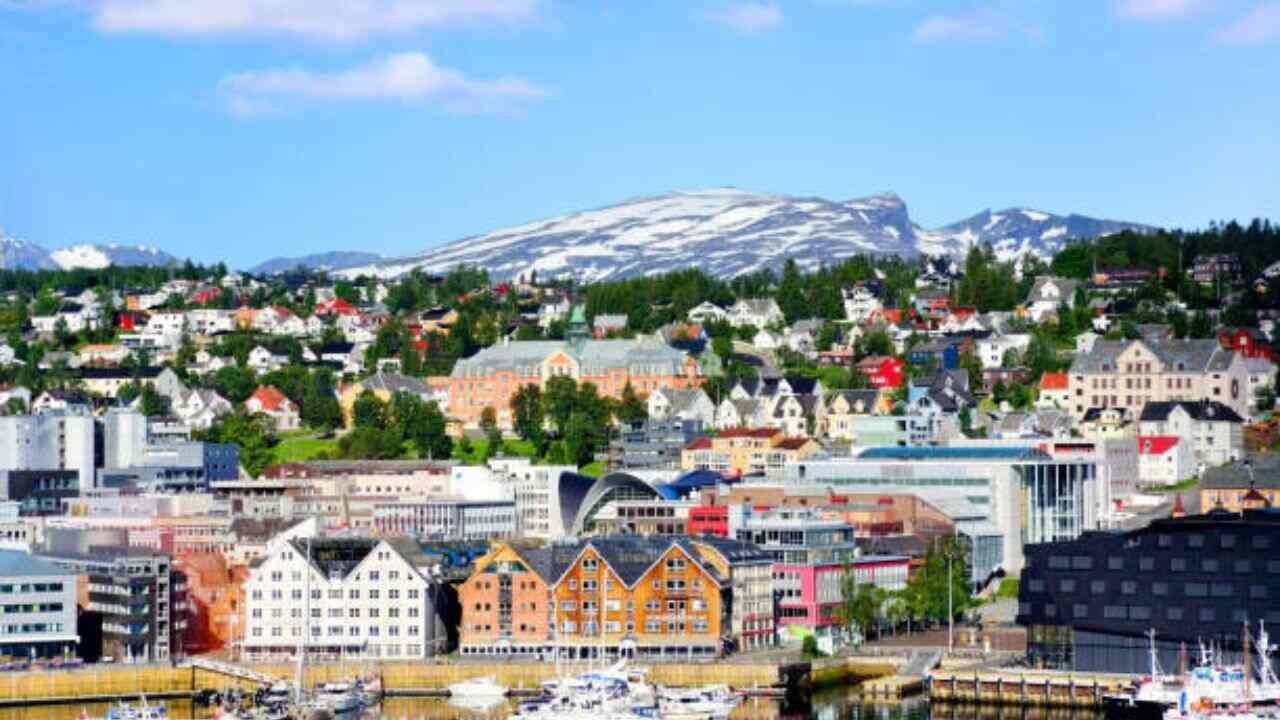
(1098, 587)
(1178, 564)
(1067, 585)
(1035, 586)
(1128, 587)
(1115, 562)
(1208, 615)
(589, 564)
(1195, 540)
(1222, 590)
(1146, 564)
(1160, 589)
(1261, 542)
(1059, 562)
(1228, 540)
(1173, 613)
(1196, 590)
(1243, 567)
(1081, 562)
(1209, 565)
(1258, 592)
(1139, 612)
(1080, 610)
(1115, 612)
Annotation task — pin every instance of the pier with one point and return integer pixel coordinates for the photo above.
(1024, 687)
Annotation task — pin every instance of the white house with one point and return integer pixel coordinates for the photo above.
(1215, 431)
(8, 356)
(355, 598)
(1164, 459)
(736, 412)
(274, 404)
(685, 404)
(166, 323)
(860, 304)
(991, 350)
(707, 312)
(1048, 293)
(759, 312)
(262, 360)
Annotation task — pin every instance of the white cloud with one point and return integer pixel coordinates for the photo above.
(330, 20)
(977, 26)
(749, 18)
(1160, 10)
(409, 77)
(1257, 28)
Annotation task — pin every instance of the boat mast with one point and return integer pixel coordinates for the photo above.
(306, 627)
(1247, 656)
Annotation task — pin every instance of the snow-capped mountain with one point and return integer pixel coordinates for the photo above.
(728, 232)
(1017, 232)
(327, 261)
(100, 256)
(16, 254)
(724, 231)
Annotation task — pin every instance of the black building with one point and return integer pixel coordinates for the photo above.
(1089, 604)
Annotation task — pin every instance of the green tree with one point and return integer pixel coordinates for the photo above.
(859, 609)
(527, 413)
(926, 594)
(1201, 327)
(368, 411)
(791, 295)
(632, 408)
(559, 399)
(489, 424)
(252, 433)
(234, 382)
(320, 408)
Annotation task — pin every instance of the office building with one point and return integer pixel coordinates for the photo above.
(39, 603)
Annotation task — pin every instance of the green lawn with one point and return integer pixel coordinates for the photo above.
(479, 450)
(595, 469)
(295, 448)
(1185, 485)
(1008, 589)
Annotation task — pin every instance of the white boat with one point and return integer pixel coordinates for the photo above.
(339, 697)
(476, 703)
(485, 686)
(142, 711)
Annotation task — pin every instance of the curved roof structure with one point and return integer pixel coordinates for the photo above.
(571, 489)
(690, 481)
(614, 486)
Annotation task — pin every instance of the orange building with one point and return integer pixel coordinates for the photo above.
(616, 596)
(491, 377)
(215, 607)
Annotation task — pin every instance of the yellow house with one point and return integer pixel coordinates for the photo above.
(383, 385)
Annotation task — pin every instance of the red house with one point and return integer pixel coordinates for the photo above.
(1248, 341)
(883, 371)
(336, 306)
(207, 295)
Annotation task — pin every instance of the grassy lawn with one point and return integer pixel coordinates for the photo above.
(595, 469)
(1008, 589)
(295, 448)
(480, 448)
(1185, 485)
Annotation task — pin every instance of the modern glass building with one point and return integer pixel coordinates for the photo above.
(1029, 496)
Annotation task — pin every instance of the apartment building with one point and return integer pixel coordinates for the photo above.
(39, 603)
(343, 598)
(1128, 374)
(743, 451)
(615, 596)
(53, 440)
(134, 601)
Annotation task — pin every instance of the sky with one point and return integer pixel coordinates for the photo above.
(239, 130)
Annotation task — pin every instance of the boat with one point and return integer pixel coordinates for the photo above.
(339, 697)
(485, 686)
(142, 711)
(1209, 691)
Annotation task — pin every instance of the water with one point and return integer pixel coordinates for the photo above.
(835, 704)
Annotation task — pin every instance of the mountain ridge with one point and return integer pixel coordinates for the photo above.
(728, 231)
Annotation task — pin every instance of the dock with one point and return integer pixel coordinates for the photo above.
(1024, 687)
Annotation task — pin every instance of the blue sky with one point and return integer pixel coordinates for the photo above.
(243, 129)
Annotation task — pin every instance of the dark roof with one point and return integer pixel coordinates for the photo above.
(121, 373)
(340, 348)
(1093, 413)
(1199, 410)
(801, 385)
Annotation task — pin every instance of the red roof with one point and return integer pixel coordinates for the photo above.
(268, 397)
(792, 443)
(1053, 381)
(741, 432)
(702, 443)
(1156, 444)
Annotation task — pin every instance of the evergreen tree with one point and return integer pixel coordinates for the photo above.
(632, 408)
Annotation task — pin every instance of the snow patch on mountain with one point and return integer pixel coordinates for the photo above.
(20, 254)
(95, 257)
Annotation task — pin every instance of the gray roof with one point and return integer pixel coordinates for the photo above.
(394, 383)
(867, 396)
(759, 306)
(1194, 355)
(14, 563)
(1261, 470)
(643, 356)
(1066, 288)
(807, 405)
(682, 399)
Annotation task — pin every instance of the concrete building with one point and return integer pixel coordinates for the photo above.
(446, 519)
(39, 601)
(1028, 494)
(54, 440)
(652, 444)
(133, 453)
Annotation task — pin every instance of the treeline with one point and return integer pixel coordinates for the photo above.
(114, 276)
(1256, 244)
